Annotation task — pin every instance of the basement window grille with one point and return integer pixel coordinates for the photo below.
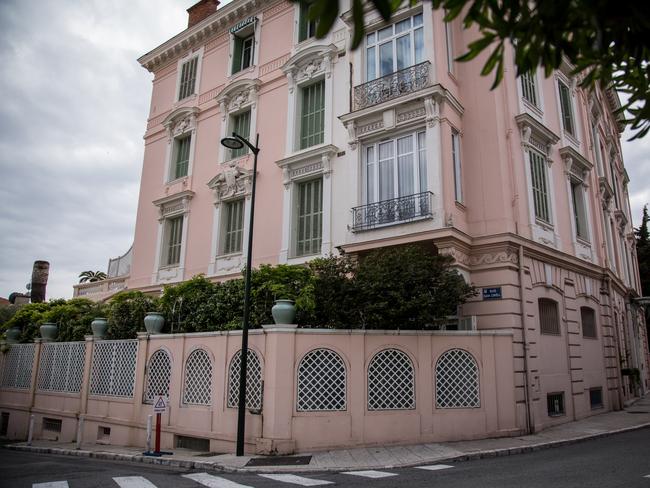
(52, 425)
(457, 380)
(596, 398)
(555, 404)
(253, 381)
(321, 382)
(391, 384)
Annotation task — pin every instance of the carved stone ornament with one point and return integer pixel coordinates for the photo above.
(508, 255)
(231, 183)
(460, 256)
(352, 134)
(536, 135)
(180, 121)
(174, 205)
(432, 109)
(310, 63)
(238, 95)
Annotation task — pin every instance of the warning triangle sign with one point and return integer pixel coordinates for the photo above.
(160, 403)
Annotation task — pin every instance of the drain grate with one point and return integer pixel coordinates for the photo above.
(279, 461)
(637, 411)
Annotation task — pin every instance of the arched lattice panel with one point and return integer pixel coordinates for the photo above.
(391, 382)
(253, 380)
(321, 382)
(457, 381)
(159, 373)
(198, 379)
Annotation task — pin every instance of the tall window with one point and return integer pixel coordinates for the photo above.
(597, 149)
(395, 47)
(241, 124)
(539, 181)
(188, 78)
(307, 28)
(588, 320)
(396, 168)
(449, 37)
(309, 221)
(529, 88)
(567, 108)
(173, 239)
(233, 227)
(549, 317)
(243, 53)
(579, 210)
(312, 119)
(455, 152)
(181, 157)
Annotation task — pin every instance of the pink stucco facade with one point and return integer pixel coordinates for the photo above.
(523, 185)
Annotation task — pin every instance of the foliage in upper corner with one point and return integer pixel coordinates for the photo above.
(606, 41)
(92, 276)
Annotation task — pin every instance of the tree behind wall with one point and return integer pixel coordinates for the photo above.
(643, 258)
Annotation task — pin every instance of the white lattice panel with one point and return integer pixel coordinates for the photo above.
(113, 368)
(457, 382)
(321, 382)
(61, 367)
(159, 372)
(18, 363)
(391, 383)
(198, 379)
(253, 380)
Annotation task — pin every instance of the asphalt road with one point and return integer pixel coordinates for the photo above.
(617, 461)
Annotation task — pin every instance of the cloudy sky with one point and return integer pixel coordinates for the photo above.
(73, 112)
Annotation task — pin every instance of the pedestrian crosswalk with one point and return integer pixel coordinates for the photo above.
(214, 481)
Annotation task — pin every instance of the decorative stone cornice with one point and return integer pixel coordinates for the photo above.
(606, 192)
(172, 205)
(234, 182)
(218, 23)
(310, 63)
(240, 94)
(317, 160)
(180, 121)
(575, 163)
(535, 135)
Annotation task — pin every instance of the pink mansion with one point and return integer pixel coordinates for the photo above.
(389, 144)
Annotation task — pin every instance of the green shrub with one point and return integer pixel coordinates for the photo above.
(191, 306)
(334, 292)
(28, 318)
(126, 312)
(73, 317)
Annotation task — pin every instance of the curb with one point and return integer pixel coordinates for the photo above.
(190, 464)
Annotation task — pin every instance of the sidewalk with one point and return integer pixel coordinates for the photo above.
(636, 416)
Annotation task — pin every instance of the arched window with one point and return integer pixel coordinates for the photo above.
(391, 384)
(321, 382)
(159, 372)
(198, 379)
(253, 380)
(457, 382)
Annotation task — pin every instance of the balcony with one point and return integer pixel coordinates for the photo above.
(392, 86)
(98, 291)
(393, 211)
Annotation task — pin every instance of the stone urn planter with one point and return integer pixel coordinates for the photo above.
(13, 334)
(99, 325)
(284, 312)
(49, 330)
(154, 322)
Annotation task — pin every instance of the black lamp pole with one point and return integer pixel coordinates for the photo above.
(237, 142)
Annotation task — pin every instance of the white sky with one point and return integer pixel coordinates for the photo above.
(74, 109)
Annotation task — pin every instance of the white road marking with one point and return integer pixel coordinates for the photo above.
(133, 482)
(647, 476)
(296, 480)
(210, 481)
(370, 474)
(51, 484)
(435, 467)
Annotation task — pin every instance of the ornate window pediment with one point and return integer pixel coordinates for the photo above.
(173, 205)
(309, 64)
(535, 135)
(576, 164)
(180, 121)
(234, 182)
(238, 95)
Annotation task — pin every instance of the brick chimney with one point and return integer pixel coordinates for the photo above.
(200, 10)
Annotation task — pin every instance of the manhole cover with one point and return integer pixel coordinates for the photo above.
(280, 461)
(637, 411)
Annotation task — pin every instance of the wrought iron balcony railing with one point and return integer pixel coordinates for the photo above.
(393, 211)
(391, 86)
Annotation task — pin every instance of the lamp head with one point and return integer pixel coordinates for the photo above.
(232, 143)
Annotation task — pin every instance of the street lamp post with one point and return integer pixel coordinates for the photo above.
(238, 142)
